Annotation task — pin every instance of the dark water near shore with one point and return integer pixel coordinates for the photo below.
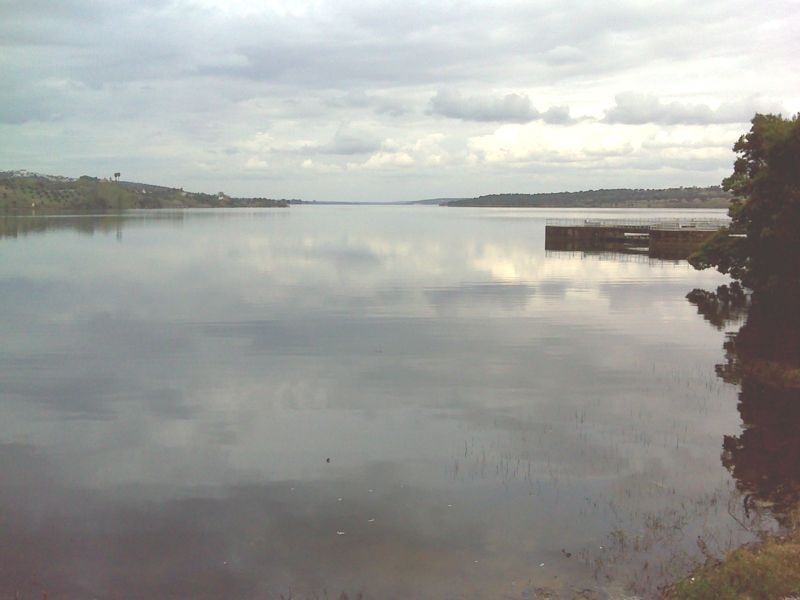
(402, 401)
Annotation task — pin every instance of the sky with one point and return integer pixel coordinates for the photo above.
(374, 100)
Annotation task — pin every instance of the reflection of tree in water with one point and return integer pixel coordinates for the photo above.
(14, 226)
(763, 357)
(727, 305)
(765, 458)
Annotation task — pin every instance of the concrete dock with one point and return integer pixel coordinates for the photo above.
(672, 239)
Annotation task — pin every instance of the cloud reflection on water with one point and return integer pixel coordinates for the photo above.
(193, 371)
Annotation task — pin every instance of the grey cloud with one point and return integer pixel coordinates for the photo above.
(79, 9)
(24, 101)
(14, 111)
(511, 108)
(633, 108)
(336, 63)
(351, 141)
(380, 44)
(360, 99)
(557, 115)
(564, 55)
(345, 142)
(394, 44)
(357, 46)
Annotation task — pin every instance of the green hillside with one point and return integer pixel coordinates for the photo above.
(23, 191)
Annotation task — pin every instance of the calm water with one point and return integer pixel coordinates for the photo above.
(405, 402)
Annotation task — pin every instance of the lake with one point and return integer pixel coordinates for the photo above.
(393, 402)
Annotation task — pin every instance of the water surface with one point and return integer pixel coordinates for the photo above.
(409, 402)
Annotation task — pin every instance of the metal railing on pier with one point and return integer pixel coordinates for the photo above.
(643, 224)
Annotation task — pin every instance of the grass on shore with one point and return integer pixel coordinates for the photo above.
(768, 570)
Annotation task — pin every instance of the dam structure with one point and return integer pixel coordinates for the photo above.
(670, 239)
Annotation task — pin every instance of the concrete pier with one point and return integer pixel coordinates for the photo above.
(594, 233)
(665, 240)
(669, 239)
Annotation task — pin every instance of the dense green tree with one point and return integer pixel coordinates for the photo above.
(762, 245)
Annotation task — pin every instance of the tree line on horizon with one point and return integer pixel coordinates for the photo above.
(680, 197)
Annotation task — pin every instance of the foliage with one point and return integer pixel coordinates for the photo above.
(762, 246)
(761, 249)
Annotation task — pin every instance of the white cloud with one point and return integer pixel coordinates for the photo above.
(382, 160)
(255, 164)
(538, 143)
(319, 167)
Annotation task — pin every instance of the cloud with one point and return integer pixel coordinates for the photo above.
(177, 91)
(381, 160)
(636, 109)
(348, 141)
(521, 146)
(429, 150)
(255, 164)
(380, 104)
(564, 55)
(557, 115)
(511, 108)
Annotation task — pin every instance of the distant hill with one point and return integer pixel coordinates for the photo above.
(23, 191)
(683, 197)
(437, 201)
